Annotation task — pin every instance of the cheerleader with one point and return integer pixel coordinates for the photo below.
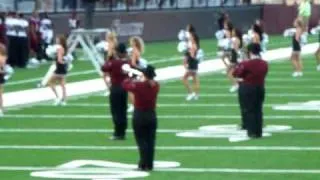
(296, 49)
(61, 71)
(315, 31)
(3, 59)
(191, 65)
(226, 56)
(137, 45)
(236, 52)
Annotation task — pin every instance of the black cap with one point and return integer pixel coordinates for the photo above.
(254, 48)
(121, 48)
(149, 72)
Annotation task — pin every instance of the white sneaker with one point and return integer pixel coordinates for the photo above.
(295, 74)
(190, 96)
(300, 74)
(318, 67)
(196, 96)
(1, 113)
(224, 72)
(57, 102)
(106, 94)
(234, 88)
(63, 103)
(130, 109)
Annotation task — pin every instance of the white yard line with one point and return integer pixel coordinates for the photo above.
(45, 130)
(173, 95)
(215, 87)
(164, 148)
(162, 117)
(193, 170)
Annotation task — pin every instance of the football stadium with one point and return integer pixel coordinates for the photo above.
(159, 89)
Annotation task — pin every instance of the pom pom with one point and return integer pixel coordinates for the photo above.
(220, 34)
(102, 46)
(289, 32)
(51, 51)
(142, 63)
(200, 55)
(182, 35)
(182, 47)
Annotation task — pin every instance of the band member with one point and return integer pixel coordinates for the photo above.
(73, 21)
(118, 95)
(35, 39)
(12, 36)
(137, 45)
(144, 116)
(236, 52)
(252, 90)
(3, 59)
(46, 30)
(296, 49)
(3, 38)
(191, 63)
(60, 73)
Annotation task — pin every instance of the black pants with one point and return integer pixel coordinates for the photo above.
(118, 106)
(144, 126)
(18, 50)
(251, 100)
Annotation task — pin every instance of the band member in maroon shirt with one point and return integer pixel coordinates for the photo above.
(145, 94)
(118, 95)
(252, 74)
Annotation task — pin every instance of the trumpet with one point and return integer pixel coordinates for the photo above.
(130, 71)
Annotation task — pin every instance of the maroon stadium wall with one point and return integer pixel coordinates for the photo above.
(277, 18)
(164, 25)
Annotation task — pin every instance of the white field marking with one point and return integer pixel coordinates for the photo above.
(35, 80)
(192, 117)
(183, 105)
(173, 95)
(164, 148)
(38, 130)
(213, 87)
(194, 170)
(283, 79)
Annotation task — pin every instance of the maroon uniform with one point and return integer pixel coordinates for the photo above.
(144, 119)
(118, 96)
(251, 94)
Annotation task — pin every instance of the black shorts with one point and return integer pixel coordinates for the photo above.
(61, 69)
(2, 80)
(296, 47)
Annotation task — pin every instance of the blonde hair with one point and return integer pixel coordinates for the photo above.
(138, 43)
(111, 38)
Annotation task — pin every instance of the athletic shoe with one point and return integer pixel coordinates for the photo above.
(57, 102)
(295, 74)
(318, 67)
(130, 109)
(63, 103)
(106, 94)
(234, 88)
(195, 96)
(1, 113)
(190, 97)
(300, 74)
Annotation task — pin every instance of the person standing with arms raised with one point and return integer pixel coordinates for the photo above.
(252, 74)
(144, 122)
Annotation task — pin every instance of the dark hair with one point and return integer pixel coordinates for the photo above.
(121, 49)
(149, 72)
(254, 48)
(3, 50)
(196, 38)
(238, 34)
(229, 26)
(191, 28)
(258, 29)
(21, 15)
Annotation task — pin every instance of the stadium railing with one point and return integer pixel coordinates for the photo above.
(56, 6)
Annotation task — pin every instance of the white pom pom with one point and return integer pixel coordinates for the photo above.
(142, 63)
(182, 36)
(182, 47)
(188, 35)
(220, 34)
(8, 69)
(102, 46)
(250, 32)
(220, 53)
(68, 58)
(126, 68)
(246, 39)
(129, 51)
(200, 55)
(289, 32)
(51, 51)
(225, 44)
(265, 38)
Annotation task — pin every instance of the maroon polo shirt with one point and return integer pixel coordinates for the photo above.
(114, 68)
(253, 72)
(145, 93)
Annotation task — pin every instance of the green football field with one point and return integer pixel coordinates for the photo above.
(40, 137)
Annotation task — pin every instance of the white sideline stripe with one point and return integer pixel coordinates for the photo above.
(94, 105)
(194, 170)
(34, 80)
(74, 89)
(235, 94)
(165, 148)
(193, 117)
(212, 87)
(25, 130)
(289, 79)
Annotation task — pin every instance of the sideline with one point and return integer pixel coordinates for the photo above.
(31, 96)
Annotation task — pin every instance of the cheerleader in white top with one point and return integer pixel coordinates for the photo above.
(316, 31)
